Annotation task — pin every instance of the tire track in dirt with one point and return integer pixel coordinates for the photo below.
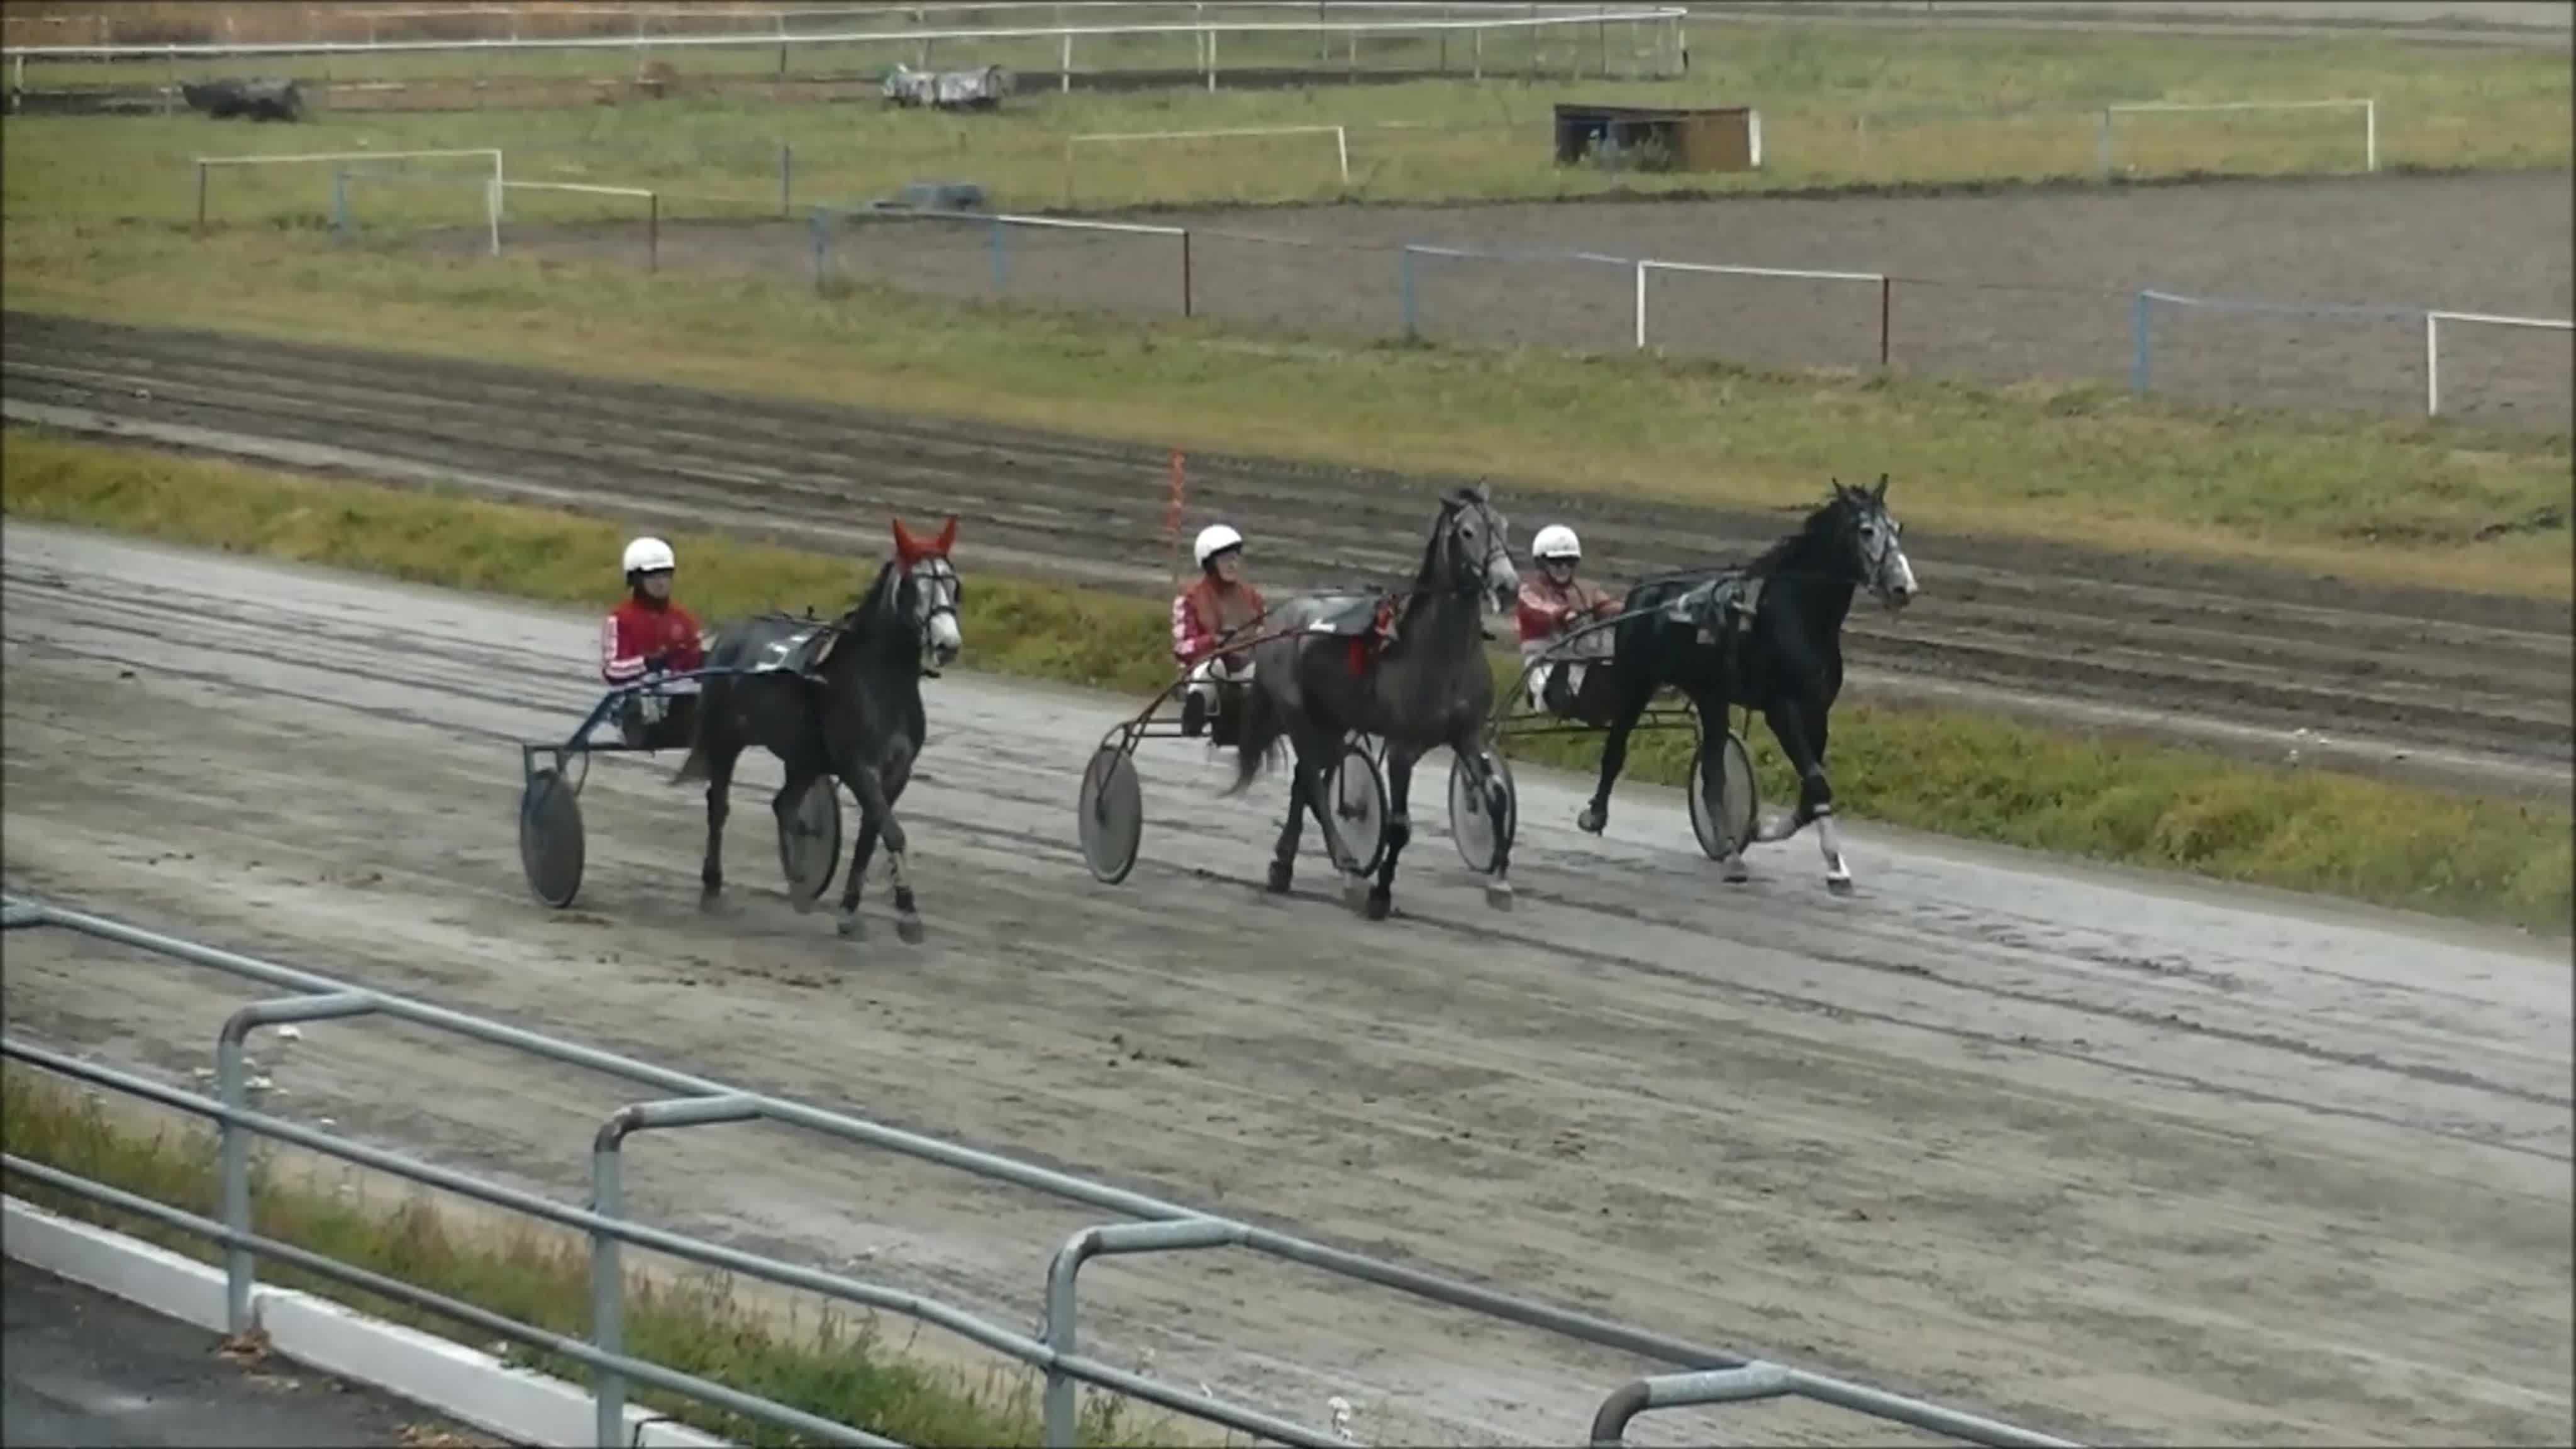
(2426, 682)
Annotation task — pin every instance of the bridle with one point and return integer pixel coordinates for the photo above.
(940, 589)
(1876, 548)
(1466, 578)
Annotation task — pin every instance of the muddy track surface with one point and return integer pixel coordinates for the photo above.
(2130, 1161)
(2403, 679)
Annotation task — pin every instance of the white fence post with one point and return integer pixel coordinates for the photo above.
(1641, 305)
(2433, 343)
(2432, 364)
(1876, 280)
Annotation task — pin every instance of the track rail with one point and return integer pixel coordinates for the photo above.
(2453, 680)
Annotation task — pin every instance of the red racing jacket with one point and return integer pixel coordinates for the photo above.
(1547, 611)
(1206, 612)
(639, 630)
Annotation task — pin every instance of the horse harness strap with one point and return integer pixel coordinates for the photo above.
(1731, 604)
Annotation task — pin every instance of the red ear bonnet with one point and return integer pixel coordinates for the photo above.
(910, 549)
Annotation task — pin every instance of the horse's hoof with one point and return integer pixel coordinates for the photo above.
(1735, 872)
(1590, 822)
(714, 903)
(804, 904)
(1498, 894)
(1380, 903)
(911, 930)
(1355, 891)
(853, 927)
(1280, 875)
(1840, 885)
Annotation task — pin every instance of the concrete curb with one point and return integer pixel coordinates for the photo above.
(470, 1386)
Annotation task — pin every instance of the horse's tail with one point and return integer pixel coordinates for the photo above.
(1257, 737)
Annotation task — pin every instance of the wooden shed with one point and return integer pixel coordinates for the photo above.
(1661, 138)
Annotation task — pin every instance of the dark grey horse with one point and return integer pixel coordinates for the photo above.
(1767, 635)
(841, 699)
(1325, 667)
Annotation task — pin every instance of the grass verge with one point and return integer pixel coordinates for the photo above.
(1955, 772)
(835, 1366)
(2382, 499)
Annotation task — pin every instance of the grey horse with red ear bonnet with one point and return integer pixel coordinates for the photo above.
(841, 699)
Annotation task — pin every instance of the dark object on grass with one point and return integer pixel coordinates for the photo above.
(271, 99)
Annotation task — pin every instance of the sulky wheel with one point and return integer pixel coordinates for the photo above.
(809, 843)
(1724, 799)
(550, 840)
(1110, 814)
(1479, 830)
(1359, 807)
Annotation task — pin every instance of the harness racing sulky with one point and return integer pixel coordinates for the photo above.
(1215, 624)
(833, 700)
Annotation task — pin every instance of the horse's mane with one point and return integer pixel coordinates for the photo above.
(1449, 503)
(872, 602)
(1809, 532)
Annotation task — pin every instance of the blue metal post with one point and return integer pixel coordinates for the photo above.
(1404, 288)
(786, 177)
(993, 248)
(821, 238)
(2138, 341)
(340, 200)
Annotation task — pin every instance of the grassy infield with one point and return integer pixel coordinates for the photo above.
(89, 210)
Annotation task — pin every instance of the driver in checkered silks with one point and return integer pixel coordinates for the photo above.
(648, 635)
(1220, 607)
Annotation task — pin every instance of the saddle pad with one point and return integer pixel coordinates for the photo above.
(1347, 618)
(798, 653)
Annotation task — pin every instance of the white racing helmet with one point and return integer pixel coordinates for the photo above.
(1556, 541)
(649, 555)
(1215, 539)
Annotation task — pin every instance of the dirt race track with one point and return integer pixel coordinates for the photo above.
(2000, 287)
(2114, 1157)
(2474, 689)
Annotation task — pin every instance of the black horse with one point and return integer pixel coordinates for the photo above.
(1767, 635)
(841, 699)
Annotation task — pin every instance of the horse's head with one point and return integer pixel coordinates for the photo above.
(1471, 549)
(927, 592)
(1877, 557)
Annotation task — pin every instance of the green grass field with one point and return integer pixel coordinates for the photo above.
(1840, 107)
(703, 1323)
(1931, 769)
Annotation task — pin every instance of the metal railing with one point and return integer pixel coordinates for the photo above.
(1165, 1227)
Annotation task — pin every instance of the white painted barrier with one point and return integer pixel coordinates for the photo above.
(2367, 105)
(461, 1383)
(2433, 344)
(1340, 134)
